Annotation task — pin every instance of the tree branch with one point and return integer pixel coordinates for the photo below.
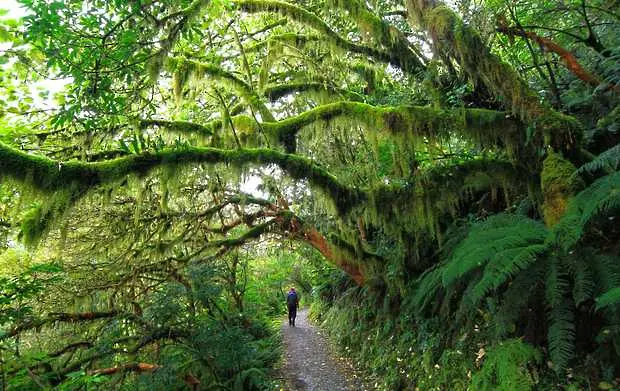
(133, 367)
(306, 17)
(568, 59)
(58, 317)
(50, 175)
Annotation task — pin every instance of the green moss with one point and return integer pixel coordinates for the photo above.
(34, 223)
(457, 40)
(50, 176)
(40, 217)
(184, 68)
(559, 185)
(308, 18)
(180, 127)
(373, 28)
(278, 91)
(560, 131)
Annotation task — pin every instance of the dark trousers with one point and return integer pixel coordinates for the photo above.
(292, 314)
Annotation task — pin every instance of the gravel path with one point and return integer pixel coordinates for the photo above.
(308, 363)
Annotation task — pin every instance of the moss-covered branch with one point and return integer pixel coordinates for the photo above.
(183, 127)
(276, 92)
(437, 192)
(386, 35)
(310, 19)
(293, 39)
(58, 317)
(487, 128)
(183, 68)
(50, 175)
(460, 42)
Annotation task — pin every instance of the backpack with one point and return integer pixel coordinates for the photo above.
(291, 299)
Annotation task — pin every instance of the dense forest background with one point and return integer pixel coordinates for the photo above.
(440, 180)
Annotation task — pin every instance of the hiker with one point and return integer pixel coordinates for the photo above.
(292, 302)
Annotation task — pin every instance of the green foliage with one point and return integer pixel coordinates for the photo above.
(608, 160)
(599, 199)
(507, 366)
(17, 293)
(506, 241)
(423, 173)
(609, 298)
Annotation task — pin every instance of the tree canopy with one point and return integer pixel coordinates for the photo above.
(457, 161)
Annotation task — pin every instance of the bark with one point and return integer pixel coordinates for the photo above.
(134, 367)
(319, 242)
(568, 58)
(341, 258)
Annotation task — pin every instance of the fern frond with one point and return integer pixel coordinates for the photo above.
(501, 235)
(557, 283)
(503, 266)
(600, 198)
(561, 334)
(506, 367)
(607, 269)
(466, 308)
(247, 379)
(584, 278)
(609, 298)
(427, 288)
(517, 296)
(605, 161)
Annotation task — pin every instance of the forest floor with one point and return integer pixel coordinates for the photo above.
(310, 364)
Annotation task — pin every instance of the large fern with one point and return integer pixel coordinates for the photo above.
(427, 287)
(505, 367)
(609, 298)
(561, 332)
(504, 265)
(600, 198)
(499, 238)
(517, 297)
(606, 161)
(531, 262)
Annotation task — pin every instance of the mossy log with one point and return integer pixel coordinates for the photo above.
(558, 185)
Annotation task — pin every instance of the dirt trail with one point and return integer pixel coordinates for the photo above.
(308, 363)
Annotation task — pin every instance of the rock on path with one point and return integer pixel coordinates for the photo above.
(308, 365)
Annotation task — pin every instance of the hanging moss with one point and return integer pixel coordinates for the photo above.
(294, 39)
(559, 185)
(49, 175)
(560, 131)
(278, 91)
(308, 18)
(484, 127)
(456, 40)
(184, 68)
(41, 216)
(403, 54)
(181, 127)
(417, 208)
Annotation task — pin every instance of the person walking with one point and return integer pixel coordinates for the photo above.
(292, 302)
